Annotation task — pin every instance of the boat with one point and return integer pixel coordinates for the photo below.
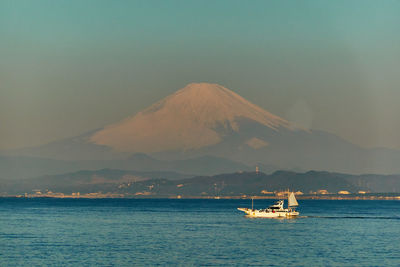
(274, 211)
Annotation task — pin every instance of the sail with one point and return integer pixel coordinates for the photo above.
(292, 200)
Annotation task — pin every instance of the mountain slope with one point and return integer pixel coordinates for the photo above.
(188, 119)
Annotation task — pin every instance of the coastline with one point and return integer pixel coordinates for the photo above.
(378, 196)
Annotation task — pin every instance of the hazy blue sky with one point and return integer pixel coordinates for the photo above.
(67, 67)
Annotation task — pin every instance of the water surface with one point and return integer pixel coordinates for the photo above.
(126, 232)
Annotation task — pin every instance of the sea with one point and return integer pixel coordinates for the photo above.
(196, 232)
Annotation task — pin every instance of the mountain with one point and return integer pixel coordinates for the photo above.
(164, 184)
(199, 115)
(209, 120)
(194, 117)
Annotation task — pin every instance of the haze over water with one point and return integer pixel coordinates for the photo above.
(127, 232)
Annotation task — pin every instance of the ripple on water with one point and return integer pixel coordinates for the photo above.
(196, 232)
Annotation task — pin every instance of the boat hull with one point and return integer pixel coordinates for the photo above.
(269, 214)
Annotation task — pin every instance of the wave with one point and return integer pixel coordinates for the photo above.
(354, 217)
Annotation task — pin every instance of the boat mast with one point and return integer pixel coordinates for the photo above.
(252, 204)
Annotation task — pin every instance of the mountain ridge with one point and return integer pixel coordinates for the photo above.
(22, 167)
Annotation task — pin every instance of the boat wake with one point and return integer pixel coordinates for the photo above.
(353, 217)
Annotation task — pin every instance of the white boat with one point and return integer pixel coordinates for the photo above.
(275, 211)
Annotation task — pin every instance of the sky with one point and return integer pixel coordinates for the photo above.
(68, 67)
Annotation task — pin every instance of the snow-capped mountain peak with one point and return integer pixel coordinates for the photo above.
(185, 120)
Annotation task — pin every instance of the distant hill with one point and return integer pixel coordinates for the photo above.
(251, 183)
(84, 181)
(233, 184)
(20, 167)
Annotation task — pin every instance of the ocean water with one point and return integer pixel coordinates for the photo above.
(132, 232)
